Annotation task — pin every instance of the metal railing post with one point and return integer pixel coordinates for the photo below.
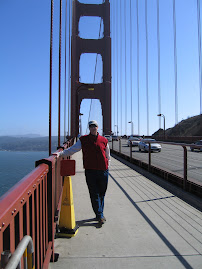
(185, 168)
(120, 145)
(5, 256)
(130, 151)
(149, 164)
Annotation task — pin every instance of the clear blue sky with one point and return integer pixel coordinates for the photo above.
(24, 65)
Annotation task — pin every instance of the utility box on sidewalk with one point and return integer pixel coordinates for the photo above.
(67, 168)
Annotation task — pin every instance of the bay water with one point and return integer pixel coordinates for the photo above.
(14, 165)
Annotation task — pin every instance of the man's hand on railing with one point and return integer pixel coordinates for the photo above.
(58, 154)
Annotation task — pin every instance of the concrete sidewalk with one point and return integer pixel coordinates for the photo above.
(146, 227)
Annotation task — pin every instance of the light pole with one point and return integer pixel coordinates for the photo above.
(131, 127)
(80, 114)
(161, 115)
(117, 129)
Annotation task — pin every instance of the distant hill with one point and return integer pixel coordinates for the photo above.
(27, 135)
(28, 144)
(189, 127)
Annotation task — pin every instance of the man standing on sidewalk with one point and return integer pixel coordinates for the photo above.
(96, 158)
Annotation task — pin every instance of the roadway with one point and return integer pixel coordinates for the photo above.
(170, 158)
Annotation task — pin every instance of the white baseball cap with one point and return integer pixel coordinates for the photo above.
(93, 122)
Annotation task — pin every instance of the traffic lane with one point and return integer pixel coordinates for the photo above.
(170, 158)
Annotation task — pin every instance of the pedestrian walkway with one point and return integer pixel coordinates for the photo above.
(146, 227)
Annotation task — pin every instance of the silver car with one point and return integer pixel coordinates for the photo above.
(144, 145)
(133, 140)
(109, 138)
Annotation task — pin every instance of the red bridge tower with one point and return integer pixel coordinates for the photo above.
(101, 91)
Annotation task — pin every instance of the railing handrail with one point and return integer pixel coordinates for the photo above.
(15, 259)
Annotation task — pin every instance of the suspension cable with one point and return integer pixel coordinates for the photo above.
(138, 88)
(50, 75)
(117, 70)
(131, 80)
(159, 71)
(114, 66)
(125, 76)
(121, 67)
(113, 51)
(175, 63)
(59, 80)
(65, 84)
(69, 69)
(147, 90)
(199, 51)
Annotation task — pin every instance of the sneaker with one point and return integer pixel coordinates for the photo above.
(102, 220)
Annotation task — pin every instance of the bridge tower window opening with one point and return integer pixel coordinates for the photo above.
(96, 114)
(91, 27)
(87, 71)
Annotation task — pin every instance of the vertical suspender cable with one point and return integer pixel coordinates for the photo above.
(50, 78)
(59, 83)
(69, 71)
(114, 94)
(131, 79)
(117, 26)
(114, 64)
(159, 71)
(121, 66)
(199, 52)
(175, 63)
(138, 89)
(147, 90)
(125, 76)
(65, 72)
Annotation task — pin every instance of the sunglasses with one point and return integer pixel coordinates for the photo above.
(92, 126)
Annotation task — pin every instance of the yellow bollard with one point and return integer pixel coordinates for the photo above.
(67, 224)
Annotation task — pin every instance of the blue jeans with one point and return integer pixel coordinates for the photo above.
(97, 181)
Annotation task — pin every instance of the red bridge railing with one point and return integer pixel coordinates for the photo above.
(31, 208)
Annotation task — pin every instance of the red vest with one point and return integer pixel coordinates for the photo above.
(93, 148)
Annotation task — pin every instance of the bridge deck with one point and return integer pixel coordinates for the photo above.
(147, 226)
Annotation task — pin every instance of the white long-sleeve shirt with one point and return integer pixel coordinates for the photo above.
(77, 147)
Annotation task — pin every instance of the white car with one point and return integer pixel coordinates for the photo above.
(133, 140)
(109, 138)
(144, 145)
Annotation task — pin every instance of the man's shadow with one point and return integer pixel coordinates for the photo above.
(88, 222)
